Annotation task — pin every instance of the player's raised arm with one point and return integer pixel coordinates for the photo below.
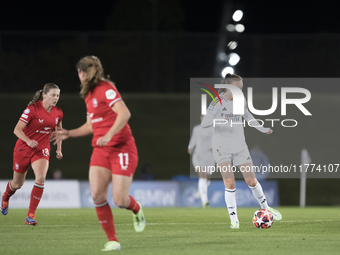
(253, 122)
(63, 134)
(18, 131)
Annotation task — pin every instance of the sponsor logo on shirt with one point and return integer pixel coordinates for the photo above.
(110, 94)
(94, 102)
(24, 116)
(97, 120)
(27, 111)
(41, 120)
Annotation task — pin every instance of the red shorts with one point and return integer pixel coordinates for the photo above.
(121, 159)
(21, 162)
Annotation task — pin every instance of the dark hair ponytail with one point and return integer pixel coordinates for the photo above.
(39, 94)
(228, 79)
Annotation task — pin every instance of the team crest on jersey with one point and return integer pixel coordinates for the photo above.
(94, 102)
(27, 111)
(56, 120)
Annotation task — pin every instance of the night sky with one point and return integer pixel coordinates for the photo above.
(199, 16)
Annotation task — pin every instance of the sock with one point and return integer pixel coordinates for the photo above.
(259, 195)
(36, 195)
(230, 200)
(203, 190)
(133, 205)
(8, 193)
(105, 218)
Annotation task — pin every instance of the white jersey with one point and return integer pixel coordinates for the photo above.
(229, 136)
(201, 141)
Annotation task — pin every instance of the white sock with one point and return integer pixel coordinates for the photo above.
(203, 190)
(230, 200)
(259, 195)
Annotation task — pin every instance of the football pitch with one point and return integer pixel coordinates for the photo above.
(313, 230)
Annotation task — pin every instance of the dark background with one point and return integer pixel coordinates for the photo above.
(151, 49)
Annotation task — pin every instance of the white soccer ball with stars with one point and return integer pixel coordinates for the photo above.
(263, 218)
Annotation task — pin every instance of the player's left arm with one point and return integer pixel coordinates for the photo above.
(59, 142)
(123, 115)
(249, 117)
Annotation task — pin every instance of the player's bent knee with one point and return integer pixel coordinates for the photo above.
(251, 182)
(120, 202)
(98, 197)
(40, 179)
(230, 184)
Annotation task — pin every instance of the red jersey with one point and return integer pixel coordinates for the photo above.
(98, 105)
(40, 124)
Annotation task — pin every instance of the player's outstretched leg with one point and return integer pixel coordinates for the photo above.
(30, 220)
(4, 205)
(261, 198)
(112, 246)
(5, 198)
(139, 219)
(137, 214)
(276, 214)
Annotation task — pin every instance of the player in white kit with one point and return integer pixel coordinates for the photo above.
(202, 158)
(230, 148)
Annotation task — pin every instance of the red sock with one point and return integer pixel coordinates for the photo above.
(133, 206)
(105, 218)
(8, 193)
(36, 195)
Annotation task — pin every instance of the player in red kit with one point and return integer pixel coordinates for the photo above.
(114, 157)
(34, 129)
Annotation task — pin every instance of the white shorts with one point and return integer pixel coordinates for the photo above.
(205, 161)
(237, 158)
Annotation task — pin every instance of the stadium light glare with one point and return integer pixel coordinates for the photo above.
(226, 70)
(232, 45)
(222, 56)
(230, 27)
(239, 28)
(237, 16)
(234, 58)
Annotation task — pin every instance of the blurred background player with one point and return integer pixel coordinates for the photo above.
(114, 157)
(202, 158)
(260, 159)
(230, 148)
(57, 175)
(34, 129)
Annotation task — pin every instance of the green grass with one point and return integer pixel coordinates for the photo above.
(173, 231)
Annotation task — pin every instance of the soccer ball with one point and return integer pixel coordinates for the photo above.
(263, 218)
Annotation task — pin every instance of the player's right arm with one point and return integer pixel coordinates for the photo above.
(63, 134)
(18, 131)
